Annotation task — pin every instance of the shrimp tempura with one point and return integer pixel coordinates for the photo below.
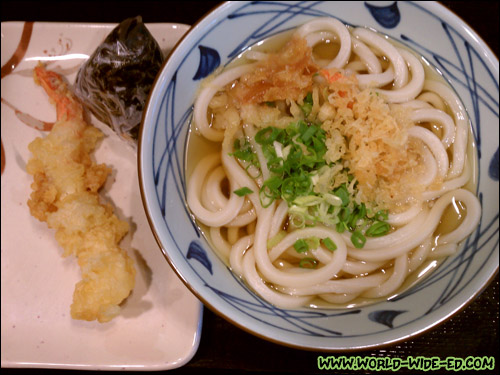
(65, 195)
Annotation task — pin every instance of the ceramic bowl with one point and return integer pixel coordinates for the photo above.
(426, 27)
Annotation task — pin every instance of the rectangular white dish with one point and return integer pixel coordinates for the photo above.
(160, 324)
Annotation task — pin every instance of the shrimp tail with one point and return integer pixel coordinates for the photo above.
(67, 105)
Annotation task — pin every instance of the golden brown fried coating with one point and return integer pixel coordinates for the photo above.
(65, 195)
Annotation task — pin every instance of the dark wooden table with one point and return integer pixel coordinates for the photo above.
(224, 348)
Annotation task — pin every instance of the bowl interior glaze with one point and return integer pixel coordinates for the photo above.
(429, 29)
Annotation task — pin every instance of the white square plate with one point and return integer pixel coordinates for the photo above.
(160, 323)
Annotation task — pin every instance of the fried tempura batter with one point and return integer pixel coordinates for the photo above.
(65, 195)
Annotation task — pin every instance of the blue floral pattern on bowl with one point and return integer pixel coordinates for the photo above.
(430, 30)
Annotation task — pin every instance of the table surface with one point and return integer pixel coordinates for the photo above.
(225, 348)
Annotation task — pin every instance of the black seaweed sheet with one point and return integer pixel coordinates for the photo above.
(114, 83)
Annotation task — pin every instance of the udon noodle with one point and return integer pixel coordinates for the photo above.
(336, 158)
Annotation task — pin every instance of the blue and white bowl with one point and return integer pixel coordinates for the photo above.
(428, 28)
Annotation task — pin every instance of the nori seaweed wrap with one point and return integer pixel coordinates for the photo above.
(114, 83)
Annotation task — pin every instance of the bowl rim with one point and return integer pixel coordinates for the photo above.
(443, 12)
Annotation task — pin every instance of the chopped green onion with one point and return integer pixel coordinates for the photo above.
(345, 215)
(243, 191)
(332, 199)
(237, 144)
(309, 263)
(307, 109)
(244, 152)
(360, 213)
(309, 133)
(329, 244)
(378, 229)
(270, 186)
(267, 135)
(295, 186)
(299, 174)
(382, 215)
(358, 239)
(343, 194)
(312, 242)
(308, 200)
(341, 227)
(301, 246)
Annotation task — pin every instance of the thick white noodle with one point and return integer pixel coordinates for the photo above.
(354, 66)
(416, 104)
(241, 228)
(250, 132)
(367, 56)
(206, 95)
(419, 255)
(405, 217)
(212, 196)
(279, 218)
(211, 218)
(428, 226)
(242, 178)
(360, 267)
(237, 252)
(445, 250)
(450, 184)
(388, 50)
(442, 118)
(243, 219)
(412, 88)
(348, 286)
(339, 29)
(257, 284)
(375, 79)
(469, 223)
(461, 123)
(353, 267)
(256, 55)
(220, 242)
(318, 37)
(399, 236)
(432, 99)
(435, 145)
(431, 168)
(399, 272)
(264, 260)
(338, 299)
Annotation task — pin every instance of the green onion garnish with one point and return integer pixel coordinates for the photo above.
(243, 191)
(312, 242)
(343, 194)
(308, 134)
(267, 135)
(377, 229)
(300, 175)
(308, 104)
(359, 213)
(382, 215)
(329, 244)
(309, 263)
(301, 246)
(358, 239)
